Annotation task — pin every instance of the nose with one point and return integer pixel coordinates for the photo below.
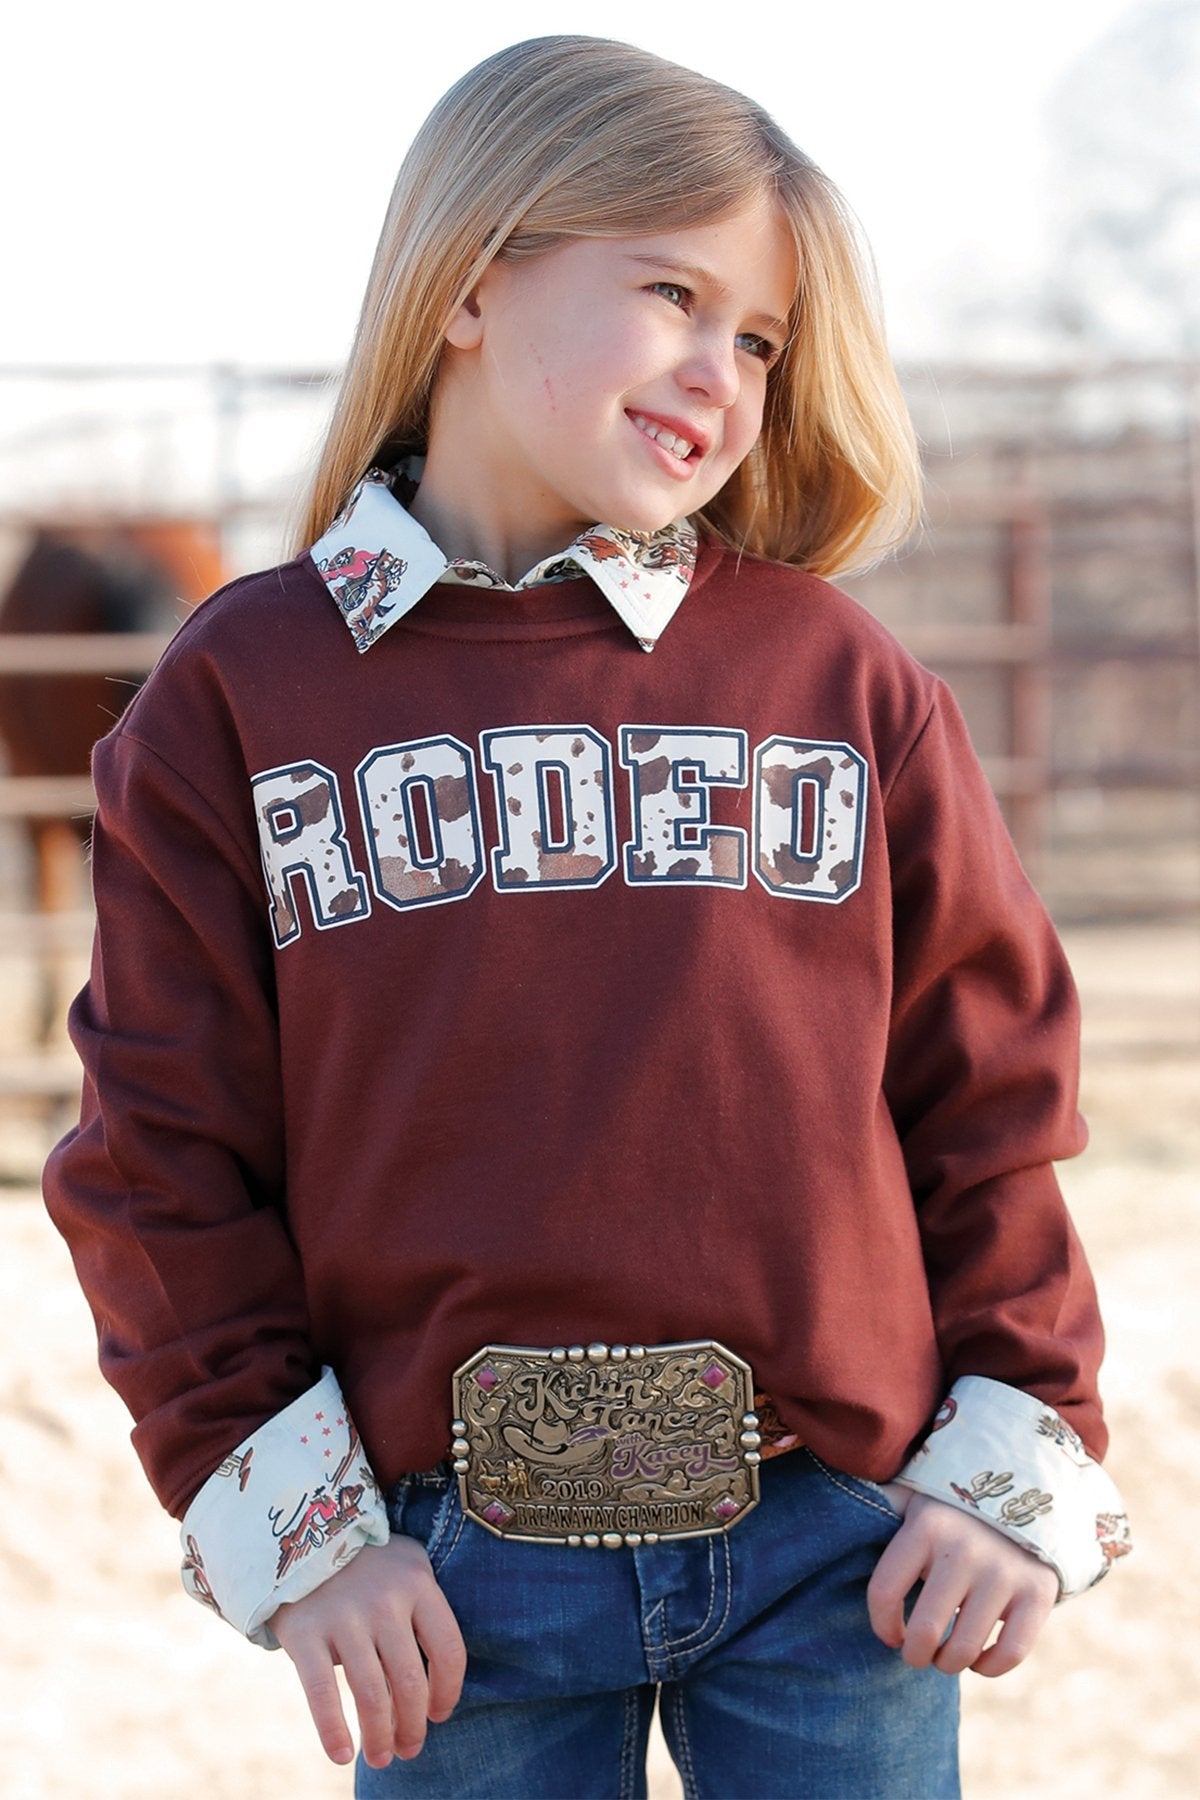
(711, 371)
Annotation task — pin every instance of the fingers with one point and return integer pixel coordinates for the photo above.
(896, 1573)
(951, 1619)
(393, 1697)
(390, 1706)
(1018, 1636)
(391, 1693)
(445, 1653)
(1016, 1595)
(380, 1618)
(395, 1694)
(972, 1580)
(964, 1624)
(315, 1669)
(934, 1613)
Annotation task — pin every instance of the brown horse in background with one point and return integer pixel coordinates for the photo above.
(106, 576)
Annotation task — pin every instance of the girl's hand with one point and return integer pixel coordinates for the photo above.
(969, 1569)
(377, 1617)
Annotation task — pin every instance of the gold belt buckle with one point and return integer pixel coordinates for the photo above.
(608, 1444)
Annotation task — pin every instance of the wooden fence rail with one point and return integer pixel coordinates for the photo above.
(46, 796)
(80, 653)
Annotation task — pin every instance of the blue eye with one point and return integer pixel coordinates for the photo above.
(668, 289)
(677, 295)
(760, 347)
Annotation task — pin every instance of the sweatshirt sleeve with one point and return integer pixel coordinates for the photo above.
(170, 1191)
(981, 1080)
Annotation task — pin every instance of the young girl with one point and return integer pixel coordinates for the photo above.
(573, 1063)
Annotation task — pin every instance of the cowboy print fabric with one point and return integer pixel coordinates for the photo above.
(378, 562)
(294, 1503)
(1015, 1463)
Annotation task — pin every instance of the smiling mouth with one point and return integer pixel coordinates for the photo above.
(680, 447)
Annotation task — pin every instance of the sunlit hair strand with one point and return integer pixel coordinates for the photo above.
(566, 137)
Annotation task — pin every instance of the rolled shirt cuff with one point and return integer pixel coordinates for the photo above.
(1014, 1462)
(293, 1504)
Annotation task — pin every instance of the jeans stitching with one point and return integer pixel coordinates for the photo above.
(451, 1547)
(675, 1643)
(721, 1623)
(628, 1744)
(658, 1657)
(395, 1500)
(397, 1497)
(439, 1528)
(863, 1499)
(687, 1769)
(689, 1637)
(441, 1519)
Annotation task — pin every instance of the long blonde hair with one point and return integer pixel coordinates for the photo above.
(564, 137)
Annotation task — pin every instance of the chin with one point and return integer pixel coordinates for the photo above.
(645, 520)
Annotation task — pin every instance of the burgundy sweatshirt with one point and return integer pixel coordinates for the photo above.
(509, 984)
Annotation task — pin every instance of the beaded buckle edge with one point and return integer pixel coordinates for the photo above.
(606, 1445)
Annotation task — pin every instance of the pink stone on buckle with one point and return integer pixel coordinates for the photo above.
(597, 1445)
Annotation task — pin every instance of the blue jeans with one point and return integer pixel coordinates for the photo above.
(772, 1682)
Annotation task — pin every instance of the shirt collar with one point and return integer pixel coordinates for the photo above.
(377, 561)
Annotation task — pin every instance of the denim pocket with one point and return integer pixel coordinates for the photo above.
(867, 1493)
(427, 1507)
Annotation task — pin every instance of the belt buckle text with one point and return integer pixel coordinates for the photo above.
(613, 1445)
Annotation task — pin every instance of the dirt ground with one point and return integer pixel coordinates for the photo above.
(113, 1684)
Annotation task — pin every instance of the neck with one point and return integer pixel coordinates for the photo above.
(467, 505)
(455, 512)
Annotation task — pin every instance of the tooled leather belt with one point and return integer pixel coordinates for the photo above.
(614, 1445)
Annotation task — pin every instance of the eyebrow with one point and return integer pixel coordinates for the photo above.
(702, 277)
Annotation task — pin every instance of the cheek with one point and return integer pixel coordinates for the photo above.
(542, 392)
(575, 387)
(615, 354)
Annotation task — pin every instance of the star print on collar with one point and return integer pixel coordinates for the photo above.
(378, 562)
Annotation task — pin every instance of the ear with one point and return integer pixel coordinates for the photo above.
(465, 329)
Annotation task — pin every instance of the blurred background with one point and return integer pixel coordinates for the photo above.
(189, 210)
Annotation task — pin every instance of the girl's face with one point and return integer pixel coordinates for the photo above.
(614, 380)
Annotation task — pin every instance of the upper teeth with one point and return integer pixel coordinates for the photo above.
(678, 446)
